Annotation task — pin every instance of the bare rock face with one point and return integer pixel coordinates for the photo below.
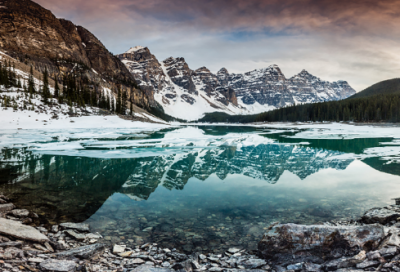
(148, 74)
(228, 96)
(27, 28)
(264, 86)
(180, 74)
(304, 84)
(285, 241)
(101, 59)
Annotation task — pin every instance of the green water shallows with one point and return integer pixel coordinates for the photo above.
(204, 188)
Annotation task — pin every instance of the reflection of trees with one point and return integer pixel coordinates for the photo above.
(356, 146)
(61, 185)
(382, 165)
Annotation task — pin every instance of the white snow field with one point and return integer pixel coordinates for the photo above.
(337, 130)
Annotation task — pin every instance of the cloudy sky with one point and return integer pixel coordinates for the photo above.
(353, 40)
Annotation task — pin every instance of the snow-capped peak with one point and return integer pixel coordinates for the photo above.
(223, 70)
(304, 73)
(134, 49)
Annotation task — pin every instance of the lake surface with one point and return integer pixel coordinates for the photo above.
(196, 188)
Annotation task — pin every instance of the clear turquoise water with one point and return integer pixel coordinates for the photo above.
(197, 191)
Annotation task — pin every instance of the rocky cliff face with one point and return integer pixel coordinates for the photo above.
(32, 34)
(188, 94)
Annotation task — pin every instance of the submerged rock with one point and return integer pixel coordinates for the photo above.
(118, 249)
(77, 236)
(18, 230)
(285, 241)
(76, 226)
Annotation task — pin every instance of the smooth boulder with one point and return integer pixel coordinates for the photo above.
(18, 230)
(6, 207)
(58, 265)
(287, 241)
(21, 213)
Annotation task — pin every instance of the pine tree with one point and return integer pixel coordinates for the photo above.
(14, 81)
(46, 89)
(6, 75)
(99, 101)
(123, 103)
(56, 89)
(19, 84)
(119, 102)
(64, 92)
(31, 83)
(1, 74)
(10, 75)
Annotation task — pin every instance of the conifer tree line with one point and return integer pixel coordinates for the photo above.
(8, 76)
(69, 89)
(375, 108)
(368, 109)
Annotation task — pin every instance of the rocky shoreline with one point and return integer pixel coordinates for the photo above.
(370, 244)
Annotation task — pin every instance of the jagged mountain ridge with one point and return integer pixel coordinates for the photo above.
(188, 94)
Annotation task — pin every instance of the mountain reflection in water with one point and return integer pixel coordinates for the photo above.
(207, 197)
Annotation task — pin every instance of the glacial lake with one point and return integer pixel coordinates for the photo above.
(198, 188)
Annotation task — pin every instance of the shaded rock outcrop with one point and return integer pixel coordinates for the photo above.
(383, 215)
(285, 242)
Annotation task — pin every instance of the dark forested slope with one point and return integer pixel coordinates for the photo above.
(391, 86)
(380, 102)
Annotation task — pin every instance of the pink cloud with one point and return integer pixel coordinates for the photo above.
(354, 16)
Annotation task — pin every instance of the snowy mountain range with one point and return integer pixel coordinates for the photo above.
(189, 94)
